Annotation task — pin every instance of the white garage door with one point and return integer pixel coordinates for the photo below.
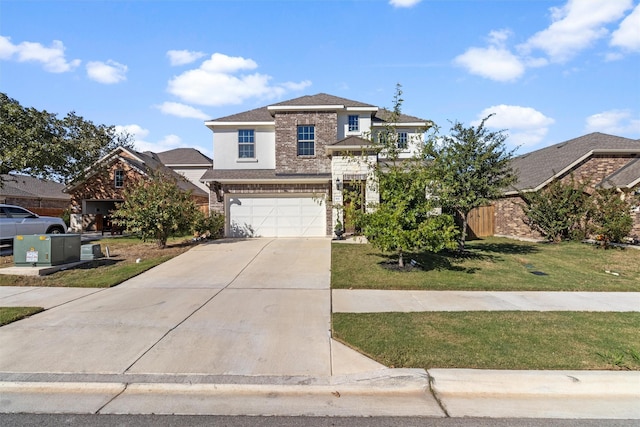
(276, 217)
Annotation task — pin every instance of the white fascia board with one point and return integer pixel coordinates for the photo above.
(212, 124)
(331, 149)
(270, 181)
(372, 109)
(305, 107)
(400, 124)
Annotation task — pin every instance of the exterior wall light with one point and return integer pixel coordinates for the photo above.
(338, 184)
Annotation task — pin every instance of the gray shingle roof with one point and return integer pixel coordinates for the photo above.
(626, 177)
(537, 168)
(183, 156)
(322, 99)
(256, 174)
(353, 141)
(263, 114)
(28, 186)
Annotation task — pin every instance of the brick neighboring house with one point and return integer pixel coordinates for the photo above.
(41, 196)
(280, 168)
(601, 160)
(96, 195)
(189, 162)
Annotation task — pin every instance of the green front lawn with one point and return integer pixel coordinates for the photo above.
(494, 264)
(495, 340)
(11, 314)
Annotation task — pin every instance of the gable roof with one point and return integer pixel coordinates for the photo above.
(31, 187)
(143, 163)
(627, 176)
(323, 99)
(181, 156)
(536, 169)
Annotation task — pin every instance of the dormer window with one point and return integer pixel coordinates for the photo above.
(354, 123)
(118, 178)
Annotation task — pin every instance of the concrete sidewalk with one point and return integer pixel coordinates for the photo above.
(377, 301)
(242, 327)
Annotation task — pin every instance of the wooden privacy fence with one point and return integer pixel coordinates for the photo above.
(481, 222)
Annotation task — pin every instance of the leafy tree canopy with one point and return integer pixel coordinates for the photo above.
(156, 209)
(405, 220)
(468, 168)
(40, 144)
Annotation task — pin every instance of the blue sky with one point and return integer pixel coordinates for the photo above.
(550, 70)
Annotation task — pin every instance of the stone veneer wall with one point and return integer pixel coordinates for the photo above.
(326, 132)
(510, 217)
(318, 190)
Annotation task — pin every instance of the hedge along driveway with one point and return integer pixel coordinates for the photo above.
(492, 264)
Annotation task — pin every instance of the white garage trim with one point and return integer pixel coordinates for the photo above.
(275, 215)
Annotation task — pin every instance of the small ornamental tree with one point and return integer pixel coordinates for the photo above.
(468, 168)
(405, 219)
(156, 209)
(558, 210)
(610, 216)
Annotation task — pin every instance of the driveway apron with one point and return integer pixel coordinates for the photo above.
(229, 307)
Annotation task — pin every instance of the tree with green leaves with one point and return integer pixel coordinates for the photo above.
(156, 209)
(558, 210)
(40, 144)
(610, 216)
(468, 168)
(405, 219)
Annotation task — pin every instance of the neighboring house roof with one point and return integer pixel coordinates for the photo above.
(31, 187)
(626, 177)
(536, 169)
(142, 163)
(261, 175)
(182, 157)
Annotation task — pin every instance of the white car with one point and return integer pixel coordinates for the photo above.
(15, 220)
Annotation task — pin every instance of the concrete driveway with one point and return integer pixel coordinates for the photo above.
(230, 307)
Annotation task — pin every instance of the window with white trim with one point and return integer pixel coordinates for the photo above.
(306, 140)
(246, 144)
(402, 140)
(354, 123)
(118, 178)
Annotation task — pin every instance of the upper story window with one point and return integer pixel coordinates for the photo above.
(118, 178)
(402, 139)
(306, 140)
(246, 144)
(354, 123)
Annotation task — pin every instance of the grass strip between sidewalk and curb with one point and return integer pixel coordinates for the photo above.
(491, 264)
(12, 314)
(495, 340)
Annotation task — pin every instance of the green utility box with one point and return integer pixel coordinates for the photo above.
(45, 250)
(90, 252)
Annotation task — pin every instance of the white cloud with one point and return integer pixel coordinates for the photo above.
(494, 62)
(137, 131)
(219, 81)
(182, 57)
(616, 122)
(182, 110)
(627, 36)
(107, 72)
(575, 26)
(52, 58)
(525, 126)
(404, 3)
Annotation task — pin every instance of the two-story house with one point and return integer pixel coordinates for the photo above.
(281, 168)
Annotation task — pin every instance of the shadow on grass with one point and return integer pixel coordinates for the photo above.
(451, 259)
(106, 262)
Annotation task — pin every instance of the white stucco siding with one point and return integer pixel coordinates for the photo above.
(193, 175)
(343, 124)
(225, 144)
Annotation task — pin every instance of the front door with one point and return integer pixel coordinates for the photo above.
(353, 195)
